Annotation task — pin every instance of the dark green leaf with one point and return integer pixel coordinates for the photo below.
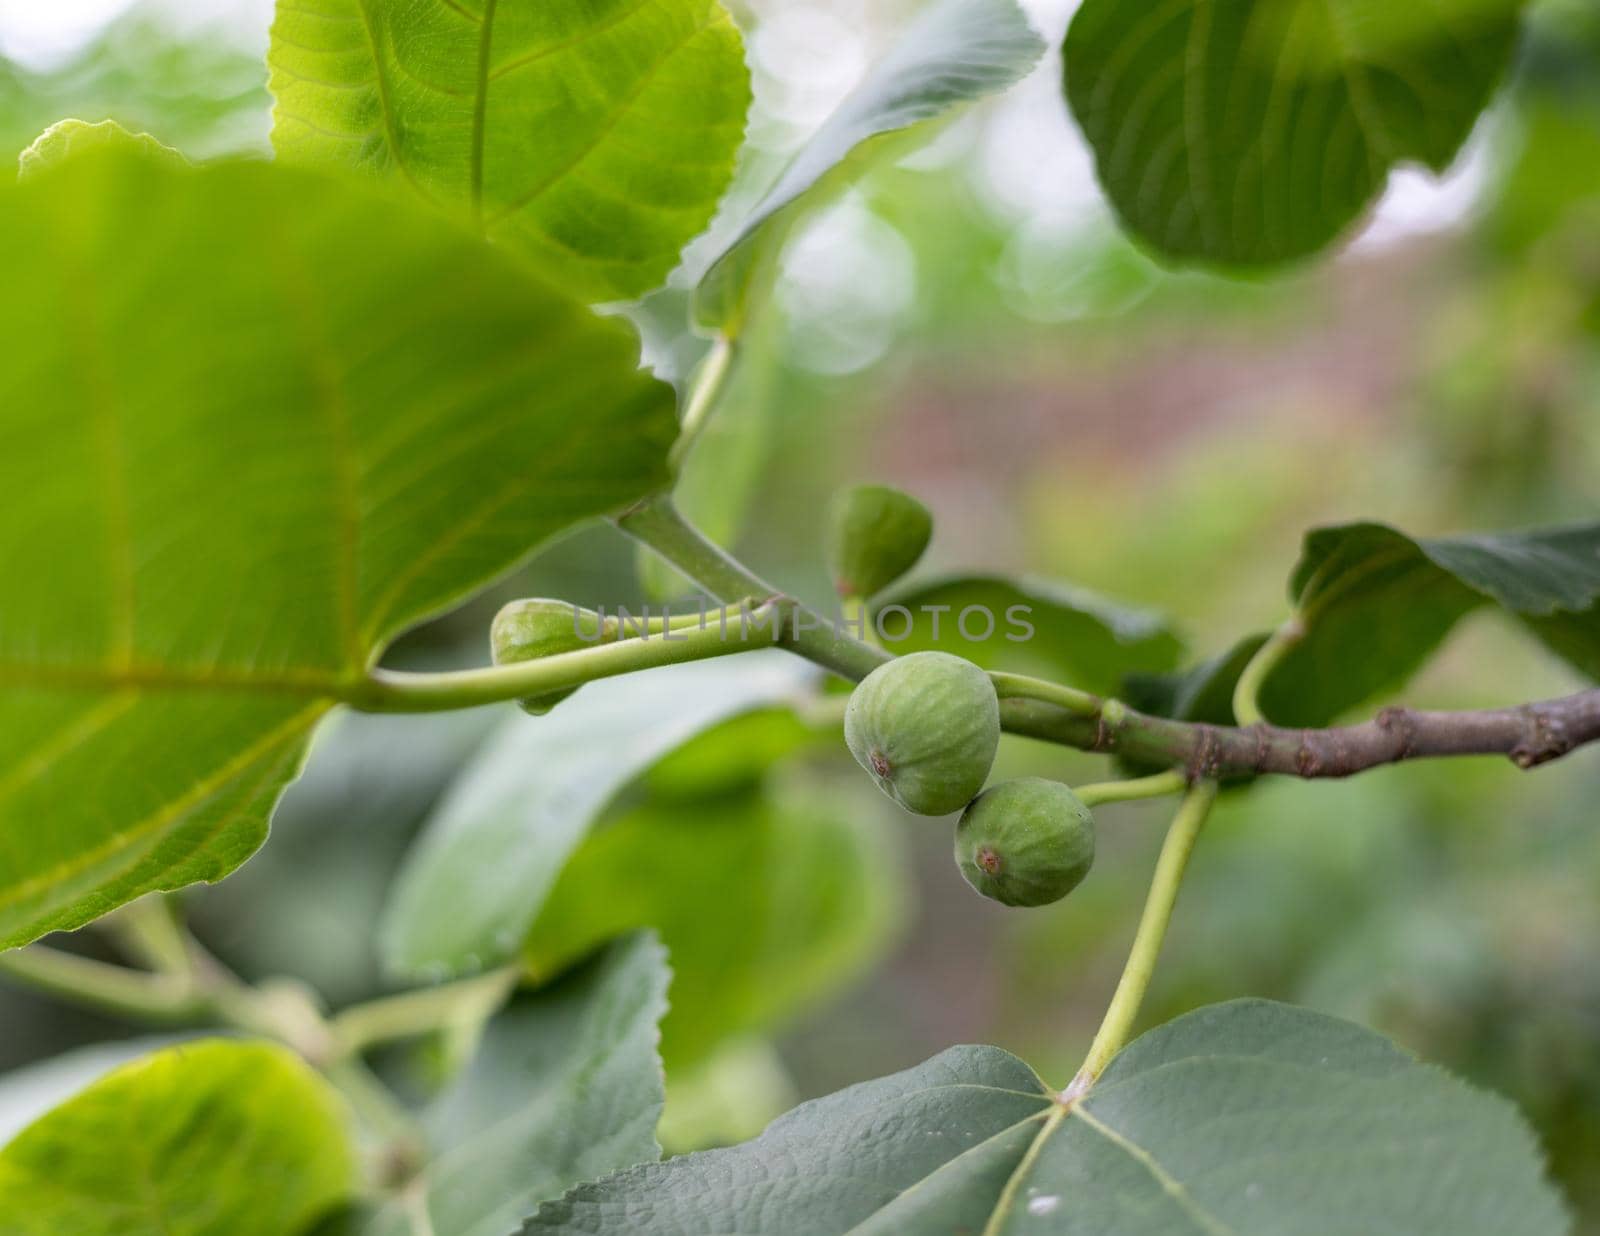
(498, 842)
(207, 1137)
(1249, 1119)
(594, 136)
(1375, 603)
(565, 1086)
(1251, 132)
(953, 52)
(765, 906)
(342, 416)
(1204, 693)
(1075, 635)
(945, 1133)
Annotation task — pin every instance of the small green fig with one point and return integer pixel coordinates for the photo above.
(1026, 842)
(926, 727)
(537, 627)
(875, 535)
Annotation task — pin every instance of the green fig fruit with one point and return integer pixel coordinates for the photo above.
(1026, 842)
(875, 535)
(926, 727)
(528, 629)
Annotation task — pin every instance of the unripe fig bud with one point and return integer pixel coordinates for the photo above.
(538, 627)
(926, 727)
(1026, 842)
(875, 535)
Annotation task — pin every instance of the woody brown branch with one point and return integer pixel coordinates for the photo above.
(1528, 735)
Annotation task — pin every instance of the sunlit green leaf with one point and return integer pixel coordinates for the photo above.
(206, 1137)
(952, 52)
(594, 136)
(565, 1086)
(1250, 1118)
(498, 842)
(72, 137)
(29, 1092)
(253, 424)
(1250, 132)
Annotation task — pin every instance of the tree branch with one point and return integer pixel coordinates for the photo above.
(1529, 735)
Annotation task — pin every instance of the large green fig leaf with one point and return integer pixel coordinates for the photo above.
(497, 843)
(206, 1137)
(252, 425)
(565, 1086)
(1375, 603)
(1037, 625)
(1251, 132)
(594, 136)
(1245, 1119)
(767, 904)
(952, 52)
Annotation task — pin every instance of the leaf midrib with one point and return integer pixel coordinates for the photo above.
(1170, 1184)
(480, 108)
(617, 116)
(315, 683)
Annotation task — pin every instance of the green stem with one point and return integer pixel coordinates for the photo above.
(708, 383)
(1247, 691)
(394, 691)
(1022, 687)
(1157, 786)
(1135, 981)
(404, 1147)
(112, 989)
(657, 524)
(857, 615)
(152, 935)
(413, 1013)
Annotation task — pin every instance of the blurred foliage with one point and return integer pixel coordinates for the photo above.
(204, 96)
(1069, 408)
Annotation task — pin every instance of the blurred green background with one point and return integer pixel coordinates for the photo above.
(968, 324)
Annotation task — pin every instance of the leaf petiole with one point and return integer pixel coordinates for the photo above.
(1157, 786)
(722, 633)
(1247, 691)
(1022, 687)
(112, 989)
(707, 386)
(1170, 867)
(412, 1013)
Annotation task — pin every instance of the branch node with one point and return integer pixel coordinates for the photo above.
(1108, 722)
(1306, 760)
(1401, 725)
(1206, 760)
(1547, 738)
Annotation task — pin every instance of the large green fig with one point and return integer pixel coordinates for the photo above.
(926, 726)
(875, 535)
(537, 627)
(1026, 842)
